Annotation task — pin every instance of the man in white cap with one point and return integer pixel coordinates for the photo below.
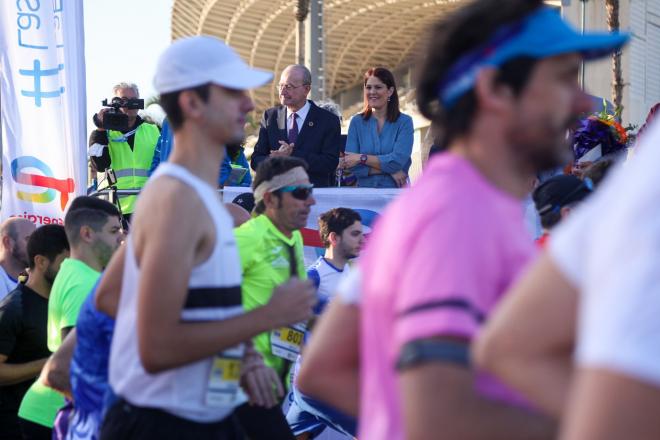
(179, 351)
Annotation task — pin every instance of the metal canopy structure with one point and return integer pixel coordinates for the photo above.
(358, 34)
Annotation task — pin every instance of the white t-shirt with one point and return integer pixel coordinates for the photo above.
(609, 248)
(7, 284)
(348, 288)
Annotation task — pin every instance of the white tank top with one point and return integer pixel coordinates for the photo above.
(214, 293)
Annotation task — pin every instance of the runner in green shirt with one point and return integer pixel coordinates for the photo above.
(93, 229)
(271, 248)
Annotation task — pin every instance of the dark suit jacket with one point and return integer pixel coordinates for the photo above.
(318, 141)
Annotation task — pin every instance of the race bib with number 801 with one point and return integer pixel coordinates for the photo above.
(286, 342)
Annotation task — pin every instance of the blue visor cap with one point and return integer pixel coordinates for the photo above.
(542, 34)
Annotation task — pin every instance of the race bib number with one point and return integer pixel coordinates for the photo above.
(286, 342)
(223, 388)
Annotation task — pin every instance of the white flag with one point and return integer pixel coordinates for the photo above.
(42, 74)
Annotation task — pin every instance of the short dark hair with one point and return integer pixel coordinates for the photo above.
(87, 211)
(48, 241)
(448, 40)
(336, 220)
(271, 167)
(170, 103)
(94, 203)
(387, 78)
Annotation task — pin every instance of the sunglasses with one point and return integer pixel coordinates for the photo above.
(300, 192)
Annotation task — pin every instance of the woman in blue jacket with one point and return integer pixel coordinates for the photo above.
(380, 138)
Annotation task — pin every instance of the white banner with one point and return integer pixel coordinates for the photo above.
(42, 73)
(369, 202)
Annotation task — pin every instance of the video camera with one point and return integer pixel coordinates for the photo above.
(113, 119)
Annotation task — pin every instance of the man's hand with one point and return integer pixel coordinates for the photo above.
(285, 149)
(291, 303)
(99, 118)
(400, 177)
(260, 382)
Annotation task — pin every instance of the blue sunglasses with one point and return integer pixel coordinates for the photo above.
(300, 192)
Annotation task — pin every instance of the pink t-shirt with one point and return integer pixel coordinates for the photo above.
(437, 263)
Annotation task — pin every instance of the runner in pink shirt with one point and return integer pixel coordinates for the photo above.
(500, 80)
(451, 263)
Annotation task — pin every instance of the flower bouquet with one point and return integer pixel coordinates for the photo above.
(600, 135)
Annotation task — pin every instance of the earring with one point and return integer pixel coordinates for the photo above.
(388, 98)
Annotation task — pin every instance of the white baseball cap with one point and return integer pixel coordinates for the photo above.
(193, 61)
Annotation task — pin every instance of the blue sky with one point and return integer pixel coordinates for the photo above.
(123, 39)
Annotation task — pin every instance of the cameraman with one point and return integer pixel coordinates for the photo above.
(128, 151)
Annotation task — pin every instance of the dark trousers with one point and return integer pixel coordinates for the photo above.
(125, 421)
(263, 424)
(34, 431)
(9, 427)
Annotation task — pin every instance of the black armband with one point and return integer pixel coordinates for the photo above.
(423, 351)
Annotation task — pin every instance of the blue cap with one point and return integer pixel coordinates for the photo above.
(542, 34)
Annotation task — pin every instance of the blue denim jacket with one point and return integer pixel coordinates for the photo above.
(393, 146)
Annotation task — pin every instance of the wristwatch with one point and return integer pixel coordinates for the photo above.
(363, 159)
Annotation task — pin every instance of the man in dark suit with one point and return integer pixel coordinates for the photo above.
(300, 128)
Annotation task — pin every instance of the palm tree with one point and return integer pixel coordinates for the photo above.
(617, 76)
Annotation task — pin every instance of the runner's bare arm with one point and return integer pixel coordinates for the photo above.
(606, 405)
(55, 373)
(530, 350)
(439, 401)
(109, 289)
(330, 370)
(167, 247)
(11, 374)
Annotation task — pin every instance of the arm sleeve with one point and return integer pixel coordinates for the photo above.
(261, 148)
(242, 161)
(403, 143)
(100, 137)
(313, 275)
(10, 326)
(71, 303)
(155, 161)
(326, 161)
(247, 247)
(444, 298)
(225, 170)
(618, 325)
(353, 146)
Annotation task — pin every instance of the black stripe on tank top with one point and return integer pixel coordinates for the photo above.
(213, 297)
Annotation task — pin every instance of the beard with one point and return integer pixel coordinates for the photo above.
(50, 274)
(103, 252)
(544, 147)
(20, 256)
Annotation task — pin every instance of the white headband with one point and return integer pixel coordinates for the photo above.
(291, 177)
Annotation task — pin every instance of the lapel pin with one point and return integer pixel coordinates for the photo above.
(311, 124)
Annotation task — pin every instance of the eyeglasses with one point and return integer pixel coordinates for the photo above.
(289, 87)
(300, 192)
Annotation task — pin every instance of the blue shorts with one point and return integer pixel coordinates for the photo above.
(309, 415)
(84, 425)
